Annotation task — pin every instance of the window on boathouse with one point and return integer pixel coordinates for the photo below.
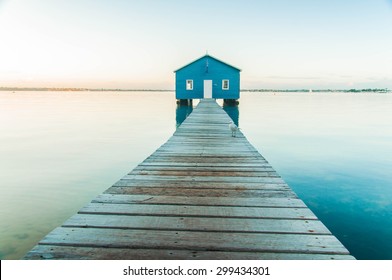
(225, 84)
(189, 84)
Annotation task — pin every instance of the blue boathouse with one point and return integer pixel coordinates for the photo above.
(207, 77)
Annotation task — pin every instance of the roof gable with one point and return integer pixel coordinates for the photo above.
(208, 56)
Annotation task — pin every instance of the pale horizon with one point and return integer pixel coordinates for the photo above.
(138, 44)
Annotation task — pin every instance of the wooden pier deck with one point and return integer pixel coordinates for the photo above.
(202, 195)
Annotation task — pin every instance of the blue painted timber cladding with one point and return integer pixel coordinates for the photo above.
(208, 68)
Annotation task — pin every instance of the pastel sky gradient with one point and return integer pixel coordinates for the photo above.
(137, 44)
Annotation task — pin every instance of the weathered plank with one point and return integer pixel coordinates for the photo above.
(204, 174)
(204, 192)
(201, 185)
(172, 164)
(185, 240)
(199, 211)
(264, 179)
(189, 223)
(273, 202)
(141, 168)
(209, 161)
(48, 252)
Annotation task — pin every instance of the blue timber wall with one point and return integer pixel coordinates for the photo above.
(217, 71)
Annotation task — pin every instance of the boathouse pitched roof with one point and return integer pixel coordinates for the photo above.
(208, 56)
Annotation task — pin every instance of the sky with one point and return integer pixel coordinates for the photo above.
(129, 44)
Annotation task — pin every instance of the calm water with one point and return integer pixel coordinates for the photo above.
(58, 150)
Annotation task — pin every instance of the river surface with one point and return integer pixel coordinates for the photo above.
(58, 150)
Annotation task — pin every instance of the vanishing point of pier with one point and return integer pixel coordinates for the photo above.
(202, 195)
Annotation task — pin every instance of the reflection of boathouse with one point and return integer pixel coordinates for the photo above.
(207, 77)
(181, 113)
(233, 112)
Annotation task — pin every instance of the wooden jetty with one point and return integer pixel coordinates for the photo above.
(202, 195)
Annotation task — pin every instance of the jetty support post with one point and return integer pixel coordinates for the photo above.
(231, 102)
(186, 102)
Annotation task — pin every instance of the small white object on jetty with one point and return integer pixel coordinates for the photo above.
(233, 128)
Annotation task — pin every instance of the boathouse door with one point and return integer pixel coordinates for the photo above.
(207, 88)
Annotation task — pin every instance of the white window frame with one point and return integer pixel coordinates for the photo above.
(189, 85)
(223, 84)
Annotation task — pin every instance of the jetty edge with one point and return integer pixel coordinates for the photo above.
(202, 195)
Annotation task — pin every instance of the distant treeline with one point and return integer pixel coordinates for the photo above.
(73, 89)
(376, 90)
(319, 90)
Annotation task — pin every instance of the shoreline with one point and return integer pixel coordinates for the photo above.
(369, 90)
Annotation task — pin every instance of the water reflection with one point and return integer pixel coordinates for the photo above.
(233, 112)
(182, 112)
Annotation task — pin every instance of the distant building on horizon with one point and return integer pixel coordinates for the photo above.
(207, 77)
